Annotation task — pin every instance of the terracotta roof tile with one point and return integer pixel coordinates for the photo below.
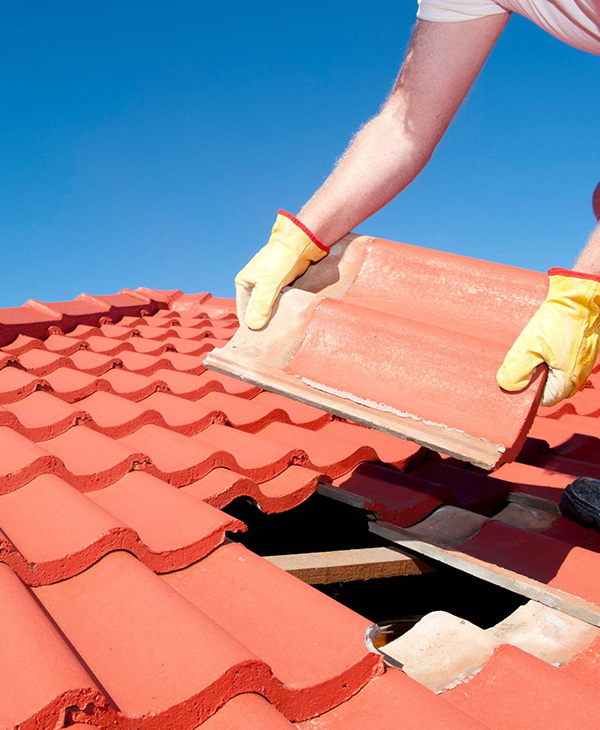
(503, 695)
(40, 362)
(204, 654)
(534, 481)
(42, 677)
(384, 352)
(89, 460)
(334, 661)
(469, 488)
(16, 383)
(192, 659)
(54, 532)
(519, 557)
(569, 569)
(404, 499)
(335, 452)
(255, 414)
(567, 466)
(390, 701)
(40, 415)
(21, 460)
(585, 666)
(221, 486)
(191, 386)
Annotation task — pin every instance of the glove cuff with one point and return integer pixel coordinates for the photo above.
(572, 274)
(306, 231)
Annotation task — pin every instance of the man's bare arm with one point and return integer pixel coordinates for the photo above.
(391, 150)
(385, 156)
(588, 261)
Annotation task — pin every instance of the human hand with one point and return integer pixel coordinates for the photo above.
(563, 333)
(288, 253)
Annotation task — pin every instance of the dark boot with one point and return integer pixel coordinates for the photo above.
(581, 502)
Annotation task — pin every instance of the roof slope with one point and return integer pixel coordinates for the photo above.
(125, 604)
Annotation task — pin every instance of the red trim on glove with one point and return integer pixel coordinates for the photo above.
(573, 274)
(304, 229)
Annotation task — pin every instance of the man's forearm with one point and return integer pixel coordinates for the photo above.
(392, 149)
(381, 161)
(588, 261)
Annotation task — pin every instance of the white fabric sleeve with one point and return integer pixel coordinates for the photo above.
(453, 11)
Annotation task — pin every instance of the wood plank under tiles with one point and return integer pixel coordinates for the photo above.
(340, 566)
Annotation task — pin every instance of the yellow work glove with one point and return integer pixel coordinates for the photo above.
(563, 333)
(287, 255)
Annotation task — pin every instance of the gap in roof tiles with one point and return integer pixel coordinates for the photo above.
(396, 604)
(333, 526)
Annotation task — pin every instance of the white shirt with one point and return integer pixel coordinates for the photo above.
(576, 22)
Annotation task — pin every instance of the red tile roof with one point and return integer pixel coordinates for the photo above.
(506, 694)
(403, 339)
(125, 605)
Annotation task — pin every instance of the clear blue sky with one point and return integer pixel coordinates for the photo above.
(151, 143)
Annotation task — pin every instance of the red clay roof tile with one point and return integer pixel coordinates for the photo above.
(382, 351)
(572, 570)
(335, 452)
(247, 712)
(585, 666)
(328, 657)
(401, 499)
(212, 647)
(54, 532)
(16, 383)
(42, 678)
(404, 499)
(394, 700)
(534, 481)
(21, 460)
(89, 460)
(41, 416)
(255, 414)
(516, 690)
(114, 611)
(221, 486)
(470, 489)
(40, 362)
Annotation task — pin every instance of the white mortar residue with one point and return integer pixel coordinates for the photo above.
(390, 409)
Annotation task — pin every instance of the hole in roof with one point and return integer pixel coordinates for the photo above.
(318, 524)
(321, 524)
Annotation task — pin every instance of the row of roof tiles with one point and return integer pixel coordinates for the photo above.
(103, 454)
(86, 476)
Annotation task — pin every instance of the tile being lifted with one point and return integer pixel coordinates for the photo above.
(403, 339)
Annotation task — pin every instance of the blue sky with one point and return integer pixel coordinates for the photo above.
(151, 143)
